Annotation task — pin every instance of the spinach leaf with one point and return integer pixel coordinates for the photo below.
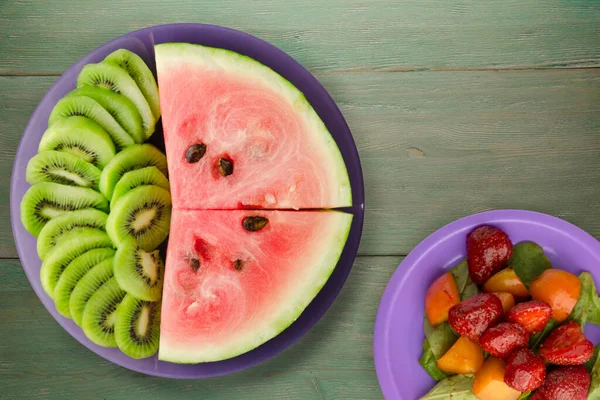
(529, 261)
(466, 287)
(429, 363)
(536, 340)
(594, 393)
(592, 361)
(457, 387)
(587, 308)
(440, 338)
(526, 395)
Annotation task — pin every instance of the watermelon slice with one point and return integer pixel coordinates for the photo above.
(240, 136)
(235, 279)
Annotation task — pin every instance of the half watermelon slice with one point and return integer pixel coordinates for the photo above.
(240, 136)
(235, 279)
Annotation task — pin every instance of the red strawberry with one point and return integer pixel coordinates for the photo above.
(567, 383)
(488, 251)
(472, 317)
(531, 315)
(567, 345)
(503, 338)
(525, 370)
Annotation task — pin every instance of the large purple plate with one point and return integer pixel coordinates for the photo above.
(399, 325)
(142, 42)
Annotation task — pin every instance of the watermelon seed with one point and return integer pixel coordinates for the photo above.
(225, 167)
(195, 153)
(255, 223)
(238, 264)
(195, 264)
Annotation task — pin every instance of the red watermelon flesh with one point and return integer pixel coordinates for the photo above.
(227, 290)
(283, 157)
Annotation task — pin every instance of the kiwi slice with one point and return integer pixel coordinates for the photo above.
(63, 168)
(144, 214)
(133, 157)
(118, 80)
(139, 177)
(99, 315)
(87, 286)
(141, 74)
(73, 244)
(120, 107)
(138, 272)
(47, 200)
(73, 273)
(84, 106)
(137, 327)
(81, 137)
(52, 233)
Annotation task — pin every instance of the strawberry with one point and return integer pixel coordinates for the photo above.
(567, 345)
(525, 370)
(503, 338)
(531, 315)
(488, 251)
(472, 317)
(566, 383)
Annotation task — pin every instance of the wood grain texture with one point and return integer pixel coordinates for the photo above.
(45, 37)
(435, 146)
(38, 359)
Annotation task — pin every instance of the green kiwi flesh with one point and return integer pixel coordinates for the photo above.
(73, 273)
(118, 80)
(87, 286)
(63, 168)
(52, 233)
(81, 137)
(144, 213)
(120, 107)
(141, 74)
(99, 315)
(139, 273)
(139, 177)
(137, 327)
(73, 244)
(132, 158)
(46, 200)
(86, 107)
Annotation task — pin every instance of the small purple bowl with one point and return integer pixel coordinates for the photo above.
(399, 325)
(141, 42)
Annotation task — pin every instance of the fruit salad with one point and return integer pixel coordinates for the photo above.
(505, 325)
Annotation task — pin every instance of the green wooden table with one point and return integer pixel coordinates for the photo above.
(456, 107)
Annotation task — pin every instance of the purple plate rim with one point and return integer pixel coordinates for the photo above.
(323, 104)
(382, 321)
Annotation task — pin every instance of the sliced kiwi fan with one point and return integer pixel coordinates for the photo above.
(100, 205)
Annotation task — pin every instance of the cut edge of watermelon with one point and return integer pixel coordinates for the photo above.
(177, 53)
(287, 315)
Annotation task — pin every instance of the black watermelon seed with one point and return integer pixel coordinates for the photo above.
(255, 223)
(195, 153)
(195, 264)
(238, 265)
(225, 167)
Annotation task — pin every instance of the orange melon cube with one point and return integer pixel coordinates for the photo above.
(507, 281)
(440, 297)
(560, 289)
(464, 357)
(489, 382)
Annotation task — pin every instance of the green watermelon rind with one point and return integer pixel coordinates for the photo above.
(175, 54)
(340, 231)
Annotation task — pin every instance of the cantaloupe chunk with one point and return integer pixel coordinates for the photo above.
(489, 382)
(464, 357)
(440, 297)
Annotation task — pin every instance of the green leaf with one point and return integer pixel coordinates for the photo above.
(526, 395)
(592, 361)
(440, 338)
(529, 261)
(429, 363)
(587, 308)
(536, 340)
(457, 387)
(466, 287)
(594, 393)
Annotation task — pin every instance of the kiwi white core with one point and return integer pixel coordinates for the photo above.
(143, 219)
(143, 321)
(149, 266)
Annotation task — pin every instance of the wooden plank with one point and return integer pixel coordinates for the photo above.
(48, 36)
(333, 361)
(435, 146)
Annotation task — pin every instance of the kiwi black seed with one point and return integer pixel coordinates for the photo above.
(225, 167)
(134, 157)
(46, 200)
(137, 327)
(114, 78)
(87, 286)
(144, 214)
(139, 177)
(120, 107)
(73, 273)
(81, 137)
(52, 233)
(195, 153)
(141, 74)
(254, 223)
(99, 315)
(63, 168)
(73, 244)
(86, 107)
(139, 273)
